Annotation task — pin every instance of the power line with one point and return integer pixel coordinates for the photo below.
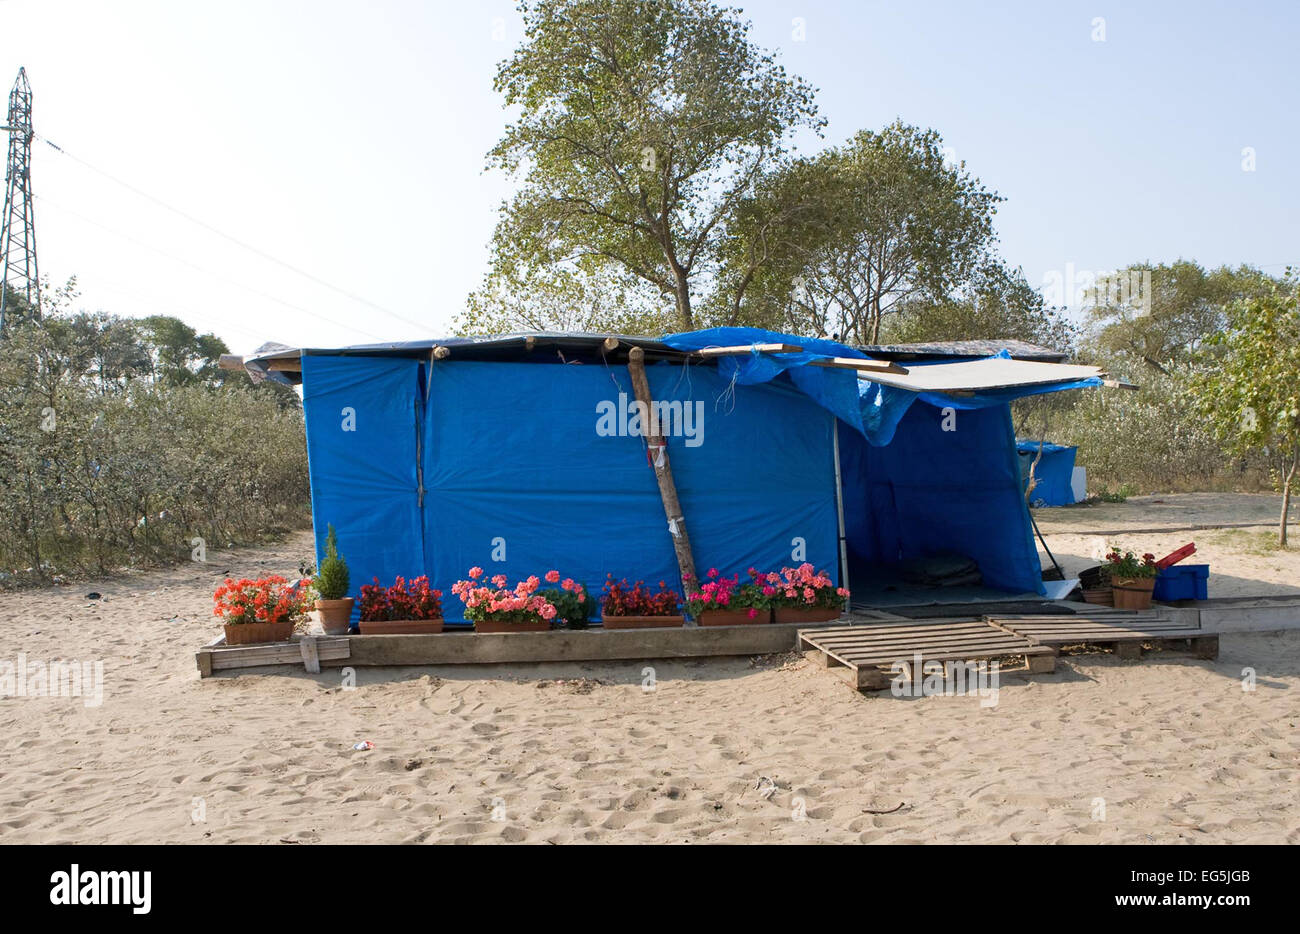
(225, 236)
(166, 306)
(208, 272)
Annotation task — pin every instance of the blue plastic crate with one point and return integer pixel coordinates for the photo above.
(1183, 582)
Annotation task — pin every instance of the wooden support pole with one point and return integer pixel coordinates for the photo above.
(663, 468)
(441, 353)
(610, 344)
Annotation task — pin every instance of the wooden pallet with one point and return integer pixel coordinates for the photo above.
(871, 651)
(1125, 634)
(310, 650)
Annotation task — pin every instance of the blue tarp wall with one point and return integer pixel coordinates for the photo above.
(531, 466)
(1054, 472)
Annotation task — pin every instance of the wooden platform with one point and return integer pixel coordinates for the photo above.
(1125, 634)
(308, 650)
(869, 652)
(471, 648)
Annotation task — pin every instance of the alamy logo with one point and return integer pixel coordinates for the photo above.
(59, 678)
(919, 678)
(87, 887)
(665, 419)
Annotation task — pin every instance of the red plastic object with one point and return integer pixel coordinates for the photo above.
(1175, 556)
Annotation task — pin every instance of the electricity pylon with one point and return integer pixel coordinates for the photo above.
(20, 287)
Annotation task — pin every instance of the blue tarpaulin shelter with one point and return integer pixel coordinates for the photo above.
(524, 453)
(1054, 472)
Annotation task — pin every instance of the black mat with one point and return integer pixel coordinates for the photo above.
(1015, 608)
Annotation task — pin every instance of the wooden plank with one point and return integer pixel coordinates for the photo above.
(819, 659)
(984, 374)
(869, 679)
(742, 349)
(285, 365)
(953, 654)
(856, 648)
(1041, 664)
(203, 657)
(235, 661)
(1094, 627)
(310, 658)
(889, 661)
(905, 637)
(892, 627)
(1096, 635)
(855, 363)
(225, 657)
(909, 632)
(230, 361)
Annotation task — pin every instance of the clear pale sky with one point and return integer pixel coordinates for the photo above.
(348, 139)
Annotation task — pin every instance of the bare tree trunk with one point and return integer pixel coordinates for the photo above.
(1286, 496)
(683, 295)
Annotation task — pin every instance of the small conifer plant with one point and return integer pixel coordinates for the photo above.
(332, 577)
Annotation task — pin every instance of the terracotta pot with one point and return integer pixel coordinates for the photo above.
(492, 625)
(642, 622)
(399, 627)
(335, 615)
(1133, 594)
(253, 633)
(733, 617)
(1102, 596)
(809, 614)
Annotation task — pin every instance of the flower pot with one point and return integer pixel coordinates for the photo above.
(253, 633)
(1102, 596)
(492, 625)
(1133, 593)
(642, 622)
(807, 614)
(400, 627)
(335, 615)
(733, 617)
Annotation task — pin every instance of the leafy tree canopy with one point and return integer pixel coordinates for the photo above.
(1248, 390)
(641, 124)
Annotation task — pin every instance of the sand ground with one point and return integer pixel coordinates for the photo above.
(1167, 750)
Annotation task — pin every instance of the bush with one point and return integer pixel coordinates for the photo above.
(1149, 440)
(103, 466)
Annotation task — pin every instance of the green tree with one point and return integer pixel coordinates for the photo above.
(870, 225)
(562, 298)
(179, 354)
(1249, 391)
(1159, 313)
(996, 303)
(640, 126)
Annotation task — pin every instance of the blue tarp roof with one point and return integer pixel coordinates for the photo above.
(873, 409)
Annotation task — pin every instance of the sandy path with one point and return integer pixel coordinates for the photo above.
(1176, 748)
